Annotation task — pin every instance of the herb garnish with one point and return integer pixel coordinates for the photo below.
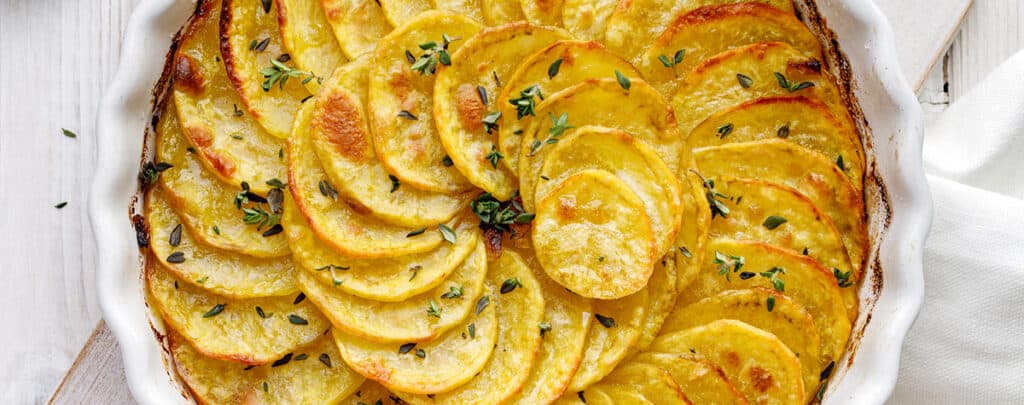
(558, 127)
(421, 354)
(842, 278)
(745, 81)
(773, 276)
(328, 190)
(774, 221)
(553, 69)
(447, 233)
(394, 182)
(483, 94)
(783, 132)
(841, 163)
(259, 46)
(282, 361)
(544, 328)
(301, 357)
(623, 80)
(264, 315)
(580, 395)
(214, 311)
(792, 87)
(416, 232)
(299, 298)
(713, 195)
(151, 172)
(447, 161)
(724, 130)
(433, 54)
(61, 205)
(406, 348)
(500, 215)
(297, 320)
(490, 121)
(605, 321)
(266, 5)
(407, 115)
(510, 284)
(525, 103)
(494, 156)
(685, 252)
(176, 257)
(414, 270)
(728, 263)
(68, 133)
(671, 63)
(326, 359)
(175, 238)
(434, 310)
(453, 292)
(770, 303)
(472, 330)
(482, 303)
(278, 73)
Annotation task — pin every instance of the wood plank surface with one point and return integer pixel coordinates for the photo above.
(96, 373)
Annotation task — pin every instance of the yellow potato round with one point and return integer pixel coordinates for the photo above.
(402, 12)
(703, 382)
(207, 107)
(632, 161)
(707, 31)
(221, 272)
(594, 398)
(520, 311)
(233, 329)
(661, 298)
(608, 343)
(304, 378)
(341, 138)
(468, 8)
(243, 21)
(499, 12)
(204, 204)
(406, 321)
(370, 393)
(576, 60)
(757, 362)
(592, 236)
(459, 110)
(586, 19)
(543, 12)
(357, 24)
(653, 385)
(408, 143)
(313, 48)
(693, 233)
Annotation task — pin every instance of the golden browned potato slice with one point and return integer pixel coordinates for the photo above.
(693, 233)
(341, 139)
(653, 385)
(806, 282)
(661, 298)
(271, 90)
(615, 331)
(701, 381)
(499, 12)
(799, 120)
(757, 362)
(229, 142)
(370, 393)
(250, 331)
(313, 48)
(401, 99)
(389, 279)
(765, 309)
(586, 19)
(469, 8)
(707, 31)
(635, 24)
(401, 12)
(338, 224)
(206, 205)
(592, 236)
(311, 374)
(520, 308)
(543, 12)
(221, 272)
(552, 69)
(464, 114)
(593, 398)
(418, 319)
(640, 111)
(440, 365)
(814, 176)
(632, 161)
(357, 24)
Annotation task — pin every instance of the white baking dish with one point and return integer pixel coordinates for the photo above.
(898, 201)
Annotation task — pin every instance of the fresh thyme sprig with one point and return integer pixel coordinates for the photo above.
(433, 55)
(728, 263)
(792, 87)
(278, 73)
(525, 103)
(558, 126)
(717, 206)
(675, 60)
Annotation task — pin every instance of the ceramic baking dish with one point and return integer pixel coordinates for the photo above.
(863, 55)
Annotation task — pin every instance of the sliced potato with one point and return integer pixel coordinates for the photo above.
(341, 139)
(357, 24)
(703, 382)
(336, 223)
(615, 331)
(799, 120)
(460, 109)
(498, 12)
(401, 101)
(446, 363)
(204, 204)
(543, 12)
(234, 148)
(272, 103)
(653, 384)
(370, 393)
(806, 282)
(661, 298)
(814, 176)
(757, 362)
(586, 19)
(693, 234)
(621, 395)
(592, 236)
(233, 329)
(787, 320)
(634, 25)
(313, 48)
(469, 8)
(520, 312)
(311, 374)
(576, 61)
(576, 398)
(402, 12)
(707, 31)
(418, 319)
(632, 161)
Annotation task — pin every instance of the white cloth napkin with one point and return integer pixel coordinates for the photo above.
(967, 346)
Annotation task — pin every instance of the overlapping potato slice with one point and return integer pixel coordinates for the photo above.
(370, 393)
(432, 367)
(417, 319)
(341, 138)
(595, 398)
(309, 44)
(799, 120)
(357, 24)
(233, 329)
(693, 233)
(311, 374)
(592, 236)
(640, 111)
(786, 319)
(401, 12)
(244, 23)
(543, 12)
(757, 362)
(703, 382)
(806, 282)
(520, 312)
(653, 385)
(232, 147)
(499, 12)
(632, 161)
(814, 176)
(576, 61)
(334, 221)
(469, 8)
(661, 298)
(707, 31)
(204, 204)
(401, 100)
(586, 19)
(615, 331)
(221, 272)
(462, 105)
(634, 25)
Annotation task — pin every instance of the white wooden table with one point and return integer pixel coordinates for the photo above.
(56, 58)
